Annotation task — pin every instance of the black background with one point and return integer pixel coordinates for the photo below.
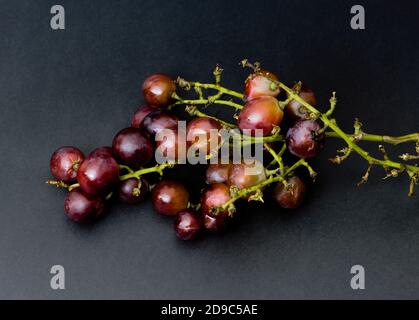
(80, 86)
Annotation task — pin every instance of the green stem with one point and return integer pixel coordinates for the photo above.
(377, 138)
(123, 167)
(277, 157)
(407, 157)
(348, 139)
(136, 174)
(61, 184)
(280, 153)
(195, 112)
(217, 87)
(206, 102)
(265, 139)
(284, 103)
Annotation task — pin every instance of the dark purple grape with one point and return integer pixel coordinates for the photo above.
(292, 196)
(82, 208)
(98, 174)
(65, 162)
(188, 225)
(158, 90)
(133, 191)
(140, 114)
(169, 197)
(157, 121)
(304, 139)
(132, 147)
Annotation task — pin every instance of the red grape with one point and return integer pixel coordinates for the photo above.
(292, 196)
(140, 114)
(187, 225)
(133, 191)
(158, 90)
(157, 121)
(132, 147)
(245, 175)
(218, 173)
(296, 110)
(214, 196)
(262, 113)
(65, 162)
(169, 197)
(81, 208)
(260, 84)
(202, 134)
(98, 174)
(304, 139)
(215, 224)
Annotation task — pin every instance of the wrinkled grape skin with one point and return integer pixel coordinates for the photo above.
(157, 121)
(65, 162)
(292, 196)
(158, 89)
(215, 195)
(132, 147)
(188, 225)
(262, 113)
(169, 198)
(295, 111)
(304, 140)
(141, 114)
(129, 188)
(81, 208)
(218, 173)
(259, 85)
(98, 174)
(198, 134)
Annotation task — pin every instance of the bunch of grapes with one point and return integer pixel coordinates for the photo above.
(264, 110)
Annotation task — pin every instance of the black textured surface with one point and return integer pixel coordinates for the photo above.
(80, 86)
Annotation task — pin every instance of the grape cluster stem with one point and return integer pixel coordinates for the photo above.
(331, 130)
